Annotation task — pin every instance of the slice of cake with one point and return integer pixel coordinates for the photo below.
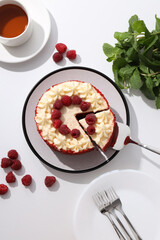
(100, 127)
(56, 113)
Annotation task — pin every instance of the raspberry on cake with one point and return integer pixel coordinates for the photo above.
(77, 98)
(104, 128)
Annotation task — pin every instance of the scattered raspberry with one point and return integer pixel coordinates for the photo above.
(64, 130)
(16, 164)
(6, 162)
(56, 114)
(26, 180)
(61, 47)
(84, 106)
(56, 123)
(90, 119)
(10, 178)
(49, 181)
(66, 100)
(75, 133)
(57, 57)
(90, 130)
(71, 54)
(3, 189)
(13, 154)
(76, 100)
(58, 104)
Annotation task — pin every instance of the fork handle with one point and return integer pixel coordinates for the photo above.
(120, 235)
(129, 223)
(121, 224)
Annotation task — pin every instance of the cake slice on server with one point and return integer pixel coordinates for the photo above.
(100, 127)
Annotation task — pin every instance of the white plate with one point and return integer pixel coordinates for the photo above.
(140, 195)
(65, 162)
(38, 39)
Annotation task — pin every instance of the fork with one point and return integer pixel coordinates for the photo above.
(117, 204)
(104, 207)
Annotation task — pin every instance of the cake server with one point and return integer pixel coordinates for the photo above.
(122, 138)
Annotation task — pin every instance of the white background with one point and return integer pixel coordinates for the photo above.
(37, 212)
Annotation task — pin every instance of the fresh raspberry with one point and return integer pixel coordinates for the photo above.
(13, 154)
(57, 57)
(66, 100)
(10, 178)
(16, 165)
(76, 100)
(71, 54)
(49, 181)
(75, 133)
(64, 130)
(90, 119)
(90, 130)
(26, 180)
(6, 162)
(58, 104)
(55, 114)
(61, 47)
(84, 106)
(56, 123)
(3, 189)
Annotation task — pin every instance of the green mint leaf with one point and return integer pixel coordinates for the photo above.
(158, 102)
(108, 50)
(118, 63)
(121, 36)
(131, 21)
(149, 83)
(132, 55)
(147, 92)
(126, 72)
(144, 68)
(150, 42)
(140, 27)
(135, 80)
(157, 24)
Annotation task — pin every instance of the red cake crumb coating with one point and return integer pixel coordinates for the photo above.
(3, 189)
(49, 181)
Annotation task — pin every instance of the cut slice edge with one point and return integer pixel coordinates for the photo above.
(104, 129)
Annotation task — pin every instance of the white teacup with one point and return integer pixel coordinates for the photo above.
(25, 35)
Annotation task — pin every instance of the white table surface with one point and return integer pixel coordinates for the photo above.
(37, 212)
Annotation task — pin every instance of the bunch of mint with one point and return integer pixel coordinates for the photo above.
(136, 58)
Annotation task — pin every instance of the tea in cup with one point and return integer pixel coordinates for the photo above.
(15, 23)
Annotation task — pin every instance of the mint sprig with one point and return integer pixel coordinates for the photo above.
(136, 58)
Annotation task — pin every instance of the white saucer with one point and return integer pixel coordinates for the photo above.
(40, 35)
(140, 195)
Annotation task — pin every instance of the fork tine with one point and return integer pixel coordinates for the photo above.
(114, 192)
(110, 194)
(96, 200)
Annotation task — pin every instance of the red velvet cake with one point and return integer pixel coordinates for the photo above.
(57, 112)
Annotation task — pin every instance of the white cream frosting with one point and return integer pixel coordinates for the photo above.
(44, 108)
(104, 127)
